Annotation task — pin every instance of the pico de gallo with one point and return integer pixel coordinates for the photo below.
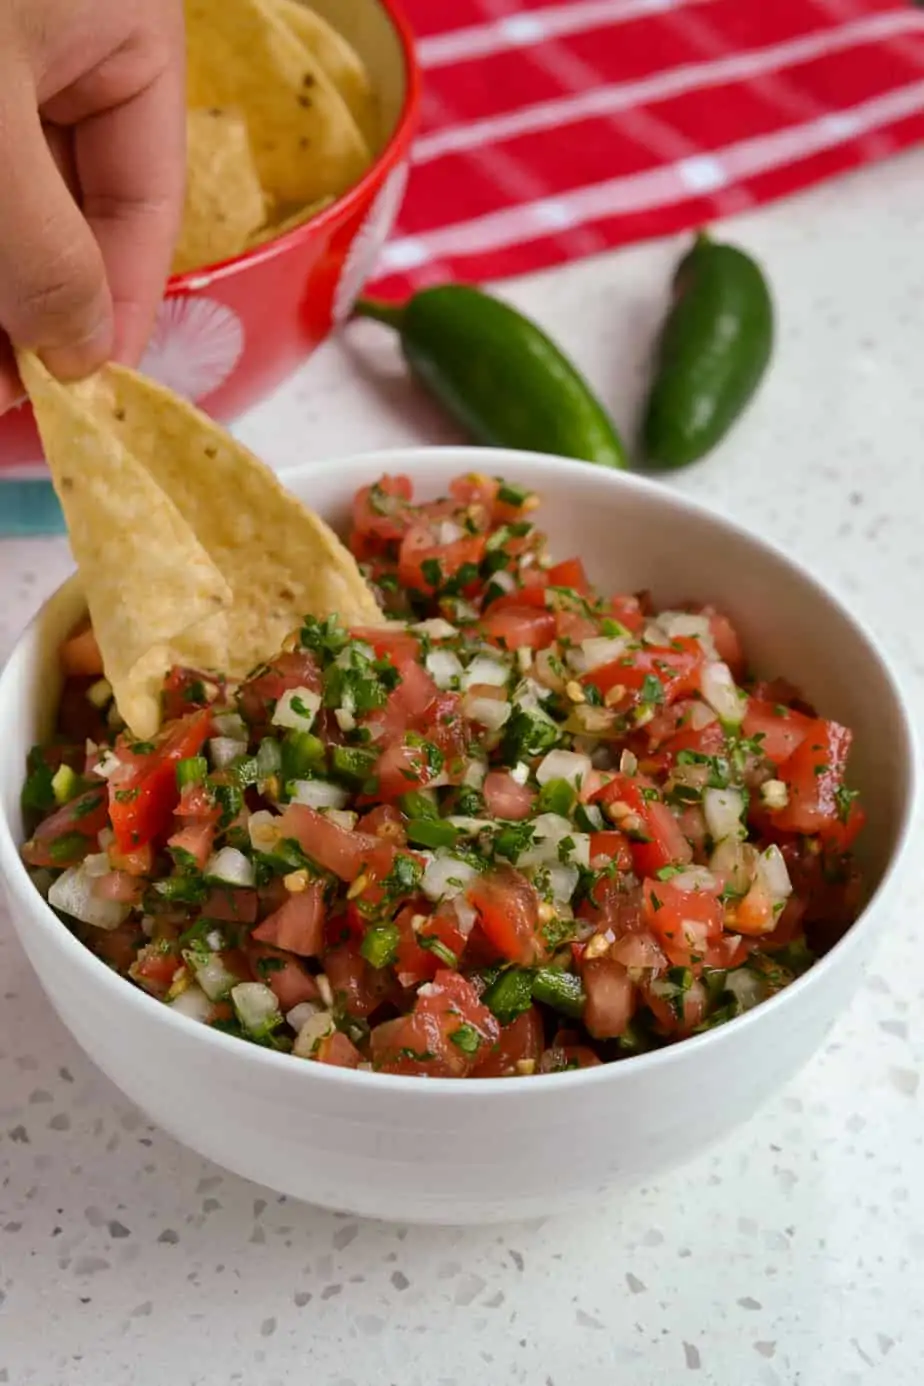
(521, 828)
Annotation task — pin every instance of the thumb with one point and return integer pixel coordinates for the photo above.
(54, 297)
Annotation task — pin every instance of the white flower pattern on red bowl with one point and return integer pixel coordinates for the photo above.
(369, 243)
(195, 346)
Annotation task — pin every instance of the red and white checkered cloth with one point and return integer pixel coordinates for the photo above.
(553, 131)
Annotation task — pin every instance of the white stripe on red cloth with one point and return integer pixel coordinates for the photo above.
(603, 101)
(519, 31)
(655, 188)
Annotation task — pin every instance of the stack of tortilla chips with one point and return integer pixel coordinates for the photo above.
(282, 119)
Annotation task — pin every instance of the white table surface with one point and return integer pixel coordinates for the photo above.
(794, 1253)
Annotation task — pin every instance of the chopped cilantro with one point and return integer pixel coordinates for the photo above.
(652, 690)
(466, 1038)
(324, 638)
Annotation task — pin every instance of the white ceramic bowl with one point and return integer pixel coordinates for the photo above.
(409, 1149)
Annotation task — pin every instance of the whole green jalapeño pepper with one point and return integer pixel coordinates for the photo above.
(499, 375)
(714, 349)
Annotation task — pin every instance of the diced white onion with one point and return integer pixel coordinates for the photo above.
(549, 830)
(255, 1004)
(437, 629)
(773, 875)
(345, 719)
(448, 532)
(485, 670)
(701, 715)
(470, 827)
(444, 667)
(721, 694)
(107, 765)
(301, 1014)
(563, 880)
(774, 794)
(263, 829)
(105, 837)
(564, 765)
(319, 794)
(193, 1003)
(315, 1028)
(224, 750)
(628, 763)
(466, 914)
(299, 717)
(344, 818)
(724, 809)
(215, 979)
(594, 815)
(520, 772)
(230, 867)
(684, 623)
(747, 986)
(446, 876)
(230, 724)
(693, 878)
(488, 712)
(72, 893)
(97, 865)
(529, 695)
(600, 650)
(734, 860)
(546, 670)
(504, 580)
(475, 774)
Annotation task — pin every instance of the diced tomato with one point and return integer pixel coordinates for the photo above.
(155, 968)
(117, 947)
(505, 798)
(399, 647)
(338, 1049)
(142, 800)
(519, 1045)
(754, 914)
(814, 774)
(361, 988)
(380, 512)
(685, 922)
(258, 697)
(780, 729)
(571, 574)
(562, 1057)
(420, 548)
(188, 689)
(119, 886)
(442, 724)
(691, 1005)
(287, 978)
(611, 998)
(408, 701)
(508, 911)
(629, 612)
(70, 833)
(231, 904)
(666, 845)
(384, 821)
(444, 1035)
(726, 640)
(298, 926)
(435, 944)
(611, 846)
(840, 836)
(676, 669)
(401, 768)
(194, 841)
(334, 848)
(137, 863)
(80, 656)
(519, 627)
(707, 741)
(571, 627)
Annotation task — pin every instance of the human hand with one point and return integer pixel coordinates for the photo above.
(92, 168)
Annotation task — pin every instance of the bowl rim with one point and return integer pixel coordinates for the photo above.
(349, 201)
(544, 467)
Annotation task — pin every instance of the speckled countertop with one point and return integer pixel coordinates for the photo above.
(788, 1256)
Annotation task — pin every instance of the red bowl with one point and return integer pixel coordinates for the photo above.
(225, 336)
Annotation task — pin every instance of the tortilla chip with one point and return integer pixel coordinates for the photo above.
(281, 561)
(146, 576)
(305, 142)
(273, 230)
(339, 60)
(224, 200)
